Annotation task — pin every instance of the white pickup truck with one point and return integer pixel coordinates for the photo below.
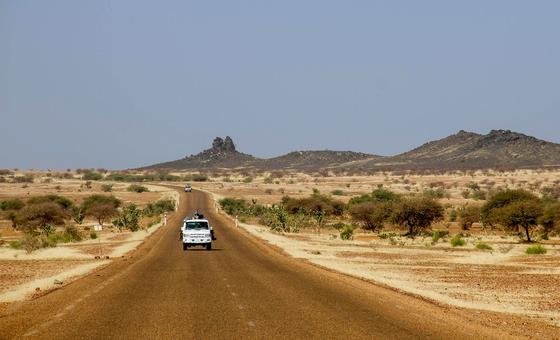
(196, 232)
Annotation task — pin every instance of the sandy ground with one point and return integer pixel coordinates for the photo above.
(503, 280)
(24, 275)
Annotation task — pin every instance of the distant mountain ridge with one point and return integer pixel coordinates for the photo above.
(463, 150)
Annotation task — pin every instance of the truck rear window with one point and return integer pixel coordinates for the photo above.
(196, 225)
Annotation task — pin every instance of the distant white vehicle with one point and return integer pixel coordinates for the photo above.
(196, 232)
(188, 188)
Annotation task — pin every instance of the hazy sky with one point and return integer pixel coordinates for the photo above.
(120, 84)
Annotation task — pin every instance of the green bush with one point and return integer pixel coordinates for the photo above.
(453, 215)
(385, 236)
(93, 235)
(107, 187)
(159, 207)
(129, 218)
(92, 176)
(12, 204)
(347, 233)
(30, 243)
(72, 234)
(63, 202)
(438, 234)
(337, 192)
(199, 178)
(535, 250)
(16, 244)
(247, 179)
(234, 206)
(378, 195)
(483, 246)
(137, 188)
(457, 241)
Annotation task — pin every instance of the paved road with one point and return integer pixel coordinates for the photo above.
(241, 289)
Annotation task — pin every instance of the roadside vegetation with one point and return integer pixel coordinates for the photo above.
(48, 220)
(515, 211)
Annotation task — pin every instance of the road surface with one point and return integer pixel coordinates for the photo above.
(240, 289)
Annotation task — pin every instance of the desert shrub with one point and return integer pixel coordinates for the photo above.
(4, 172)
(372, 215)
(453, 215)
(535, 250)
(159, 207)
(11, 204)
(73, 234)
(337, 192)
(378, 195)
(78, 215)
(63, 202)
(478, 195)
(314, 205)
(268, 191)
(457, 241)
(233, 206)
(107, 187)
(93, 235)
(41, 216)
(483, 246)
(101, 207)
(128, 218)
(435, 193)
(23, 179)
(199, 178)
(15, 244)
(347, 233)
(278, 219)
(137, 188)
(468, 215)
(417, 213)
(438, 234)
(247, 179)
(550, 219)
(31, 243)
(385, 236)
(92, 176)
(551, 192)
(268, 180)
(100, 199)
(513, 209)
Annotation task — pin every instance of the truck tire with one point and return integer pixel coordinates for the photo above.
(185, 247)
(209, 246)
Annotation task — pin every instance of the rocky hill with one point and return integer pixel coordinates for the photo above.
(222, 154)
(463, 150)
(314, 160)
(468, 150)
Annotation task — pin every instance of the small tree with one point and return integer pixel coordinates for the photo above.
(78, 215)
(525, 214)
(100, 199)
(513, 209)
(417, 213)
(102, 212)
(372, 215)
(41, 215)
(468, 215)
(129, 218)
(489, 214)
(550, 219)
